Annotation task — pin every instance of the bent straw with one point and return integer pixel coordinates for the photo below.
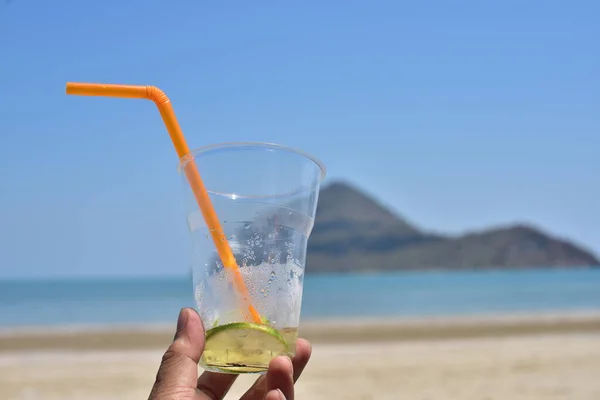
(168, 115)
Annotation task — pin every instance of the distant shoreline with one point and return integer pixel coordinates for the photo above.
(360, 330)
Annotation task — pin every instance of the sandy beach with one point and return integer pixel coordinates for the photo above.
(541, 357)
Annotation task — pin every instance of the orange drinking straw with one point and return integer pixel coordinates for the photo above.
(168, 115)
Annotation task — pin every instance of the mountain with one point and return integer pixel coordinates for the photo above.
(353, 232)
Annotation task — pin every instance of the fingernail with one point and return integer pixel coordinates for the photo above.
(181, 322)
(275, 394)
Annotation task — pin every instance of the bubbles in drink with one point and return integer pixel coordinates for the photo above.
(198, 293)
(269, 252)
(275, 290)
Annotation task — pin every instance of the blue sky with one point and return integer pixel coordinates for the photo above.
(458, 115)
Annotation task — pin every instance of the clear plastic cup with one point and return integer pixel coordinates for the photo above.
(265, 196)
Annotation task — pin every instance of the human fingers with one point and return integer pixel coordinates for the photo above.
(280, 377)
(178, 369)
(214, 385)
(299, 361)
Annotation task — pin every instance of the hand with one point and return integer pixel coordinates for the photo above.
(177, 377)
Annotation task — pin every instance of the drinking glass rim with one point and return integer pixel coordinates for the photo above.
(230, 145)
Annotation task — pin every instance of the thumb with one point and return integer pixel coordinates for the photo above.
(179, 366)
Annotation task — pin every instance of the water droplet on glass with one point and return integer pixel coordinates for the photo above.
(247, 226)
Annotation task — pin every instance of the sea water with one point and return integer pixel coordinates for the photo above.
(158, 300)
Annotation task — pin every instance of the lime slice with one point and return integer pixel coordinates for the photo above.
(242, 347)
(239, 335)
